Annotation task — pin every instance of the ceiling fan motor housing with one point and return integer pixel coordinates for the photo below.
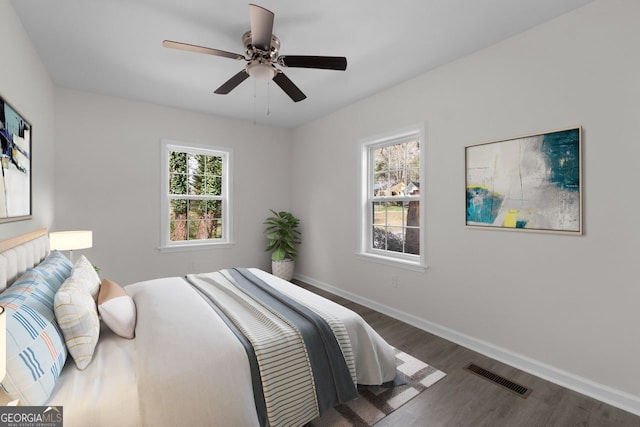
(255, 53)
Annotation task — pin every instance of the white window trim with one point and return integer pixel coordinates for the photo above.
(365, 251)
(166, 245)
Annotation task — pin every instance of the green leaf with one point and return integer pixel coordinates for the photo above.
(278, 255)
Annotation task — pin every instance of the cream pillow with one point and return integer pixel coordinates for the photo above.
(76, 313)
(85, 271)
(117, 309)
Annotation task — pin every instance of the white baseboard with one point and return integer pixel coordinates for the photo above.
(609, 395)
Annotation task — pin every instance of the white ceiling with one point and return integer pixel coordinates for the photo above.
(114, 47)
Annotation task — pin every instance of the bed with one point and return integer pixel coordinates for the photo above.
(197, 356)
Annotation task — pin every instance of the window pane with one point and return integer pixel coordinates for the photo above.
(413, 154)
(412, 235)
(213, 185)
(395, 214)
(178, 230)
(213, 209)
(413, 181)
(216, 230)
(193, 229)
(177, 183)
(395, 239)
(380, 159)
(177, 162)
(379, 238)
(213, 165)
(178, 209)
(380, 213)
(195, 211)
(381, 184)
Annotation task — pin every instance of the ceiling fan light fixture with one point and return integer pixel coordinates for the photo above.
(261, 72)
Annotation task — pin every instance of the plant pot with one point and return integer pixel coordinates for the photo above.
(283, 269)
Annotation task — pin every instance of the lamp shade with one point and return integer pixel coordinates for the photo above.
(3, 343)
(71, 240)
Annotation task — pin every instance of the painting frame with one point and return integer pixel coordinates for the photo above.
(530, 183)
(16, 135)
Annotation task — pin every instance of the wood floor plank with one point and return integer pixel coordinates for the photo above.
(463, 399)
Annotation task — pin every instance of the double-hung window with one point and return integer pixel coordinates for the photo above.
(196, 199)
(392, 199)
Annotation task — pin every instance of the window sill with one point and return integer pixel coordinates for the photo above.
(195, 247)
(394, 262)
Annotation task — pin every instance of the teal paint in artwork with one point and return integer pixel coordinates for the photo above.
(562, 152)
(482, 205)
(521, 224)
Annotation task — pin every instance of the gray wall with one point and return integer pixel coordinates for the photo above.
(564, 307)
(108, 180)
(25, 84)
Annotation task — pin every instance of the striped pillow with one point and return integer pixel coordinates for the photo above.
(56, 268)
(77, 317)
(35, 349)
(84, 270)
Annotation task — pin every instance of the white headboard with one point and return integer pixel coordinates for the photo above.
(20, 253)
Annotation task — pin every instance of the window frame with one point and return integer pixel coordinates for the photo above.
(366, 198)
(166, 244)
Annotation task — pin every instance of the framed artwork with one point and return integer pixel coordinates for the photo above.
(528, 183)
(15, 162)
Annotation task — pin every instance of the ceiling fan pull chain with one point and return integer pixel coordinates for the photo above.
(255, 111)
(268, 97)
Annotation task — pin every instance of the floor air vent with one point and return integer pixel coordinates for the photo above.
(518, 389)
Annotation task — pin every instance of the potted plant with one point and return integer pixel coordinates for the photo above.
(283, 237)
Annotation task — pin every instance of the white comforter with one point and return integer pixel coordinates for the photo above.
(185, 367)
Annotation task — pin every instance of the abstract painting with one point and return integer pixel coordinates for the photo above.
(530, 183)
(15, 162)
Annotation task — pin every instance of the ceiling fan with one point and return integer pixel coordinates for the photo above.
(262, 48)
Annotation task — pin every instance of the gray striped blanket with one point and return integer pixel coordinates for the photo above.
(305, 363)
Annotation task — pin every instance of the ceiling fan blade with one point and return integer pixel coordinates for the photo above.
(289, 87)
(231, 84)
(261, 27)
(322, 62)
(200, 49)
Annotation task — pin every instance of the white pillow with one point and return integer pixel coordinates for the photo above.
(85, 271)
(117, 309)
(77, 317)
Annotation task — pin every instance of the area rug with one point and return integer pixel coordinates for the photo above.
(376, 402)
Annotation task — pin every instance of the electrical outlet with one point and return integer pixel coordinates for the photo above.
(394, 281)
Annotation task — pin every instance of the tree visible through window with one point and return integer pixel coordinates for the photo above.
(195, 182)
(196, 196)
(392, 199)
(395, 198)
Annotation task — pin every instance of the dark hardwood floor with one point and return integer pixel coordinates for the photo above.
(464, 399)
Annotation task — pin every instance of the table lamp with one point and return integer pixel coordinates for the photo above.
(71, 240)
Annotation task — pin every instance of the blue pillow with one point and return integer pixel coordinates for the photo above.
(36, 352)
(39, 284)
(56, 268)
